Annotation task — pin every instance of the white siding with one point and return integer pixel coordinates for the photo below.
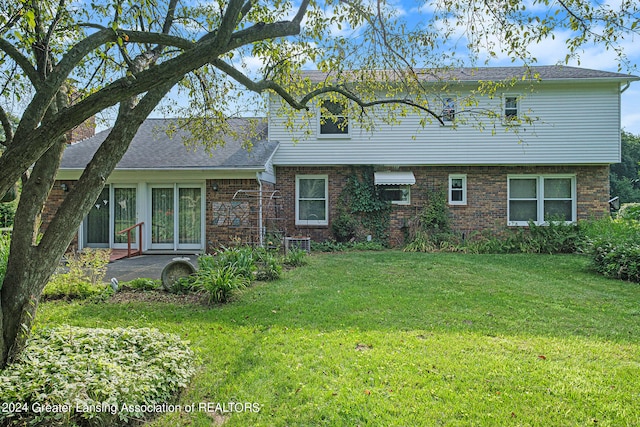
(578, 124)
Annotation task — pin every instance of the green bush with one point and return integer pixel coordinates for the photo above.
(220, 282)
(94, 377)
(296, 258)
(614, 247)
(268, 265)
(630, 211)
(142, 284)
(242, 258)
(8, 213)
(83, 278)
(333, 246)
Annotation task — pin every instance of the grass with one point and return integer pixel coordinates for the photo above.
(399, 339)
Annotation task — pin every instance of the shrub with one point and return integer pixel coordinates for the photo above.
(83, 279)
(296, 258)
(97, 370)
(344, 227)
(630, 211)
(220, 282)
(241, 258)
(142, 284)
(614, 247)
(268, 266)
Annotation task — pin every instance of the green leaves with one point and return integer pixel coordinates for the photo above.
(86, 376)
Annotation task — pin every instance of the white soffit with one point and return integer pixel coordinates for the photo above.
(394, 178)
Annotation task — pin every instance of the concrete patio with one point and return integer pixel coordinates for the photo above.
(142, 266)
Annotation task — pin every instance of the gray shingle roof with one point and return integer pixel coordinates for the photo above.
(545, 72)
(152, 148)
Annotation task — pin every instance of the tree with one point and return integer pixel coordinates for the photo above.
(67, 61)
(625, 176)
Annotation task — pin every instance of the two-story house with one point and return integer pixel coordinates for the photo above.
(533, 152)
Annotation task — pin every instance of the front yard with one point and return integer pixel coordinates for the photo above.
(404, 339)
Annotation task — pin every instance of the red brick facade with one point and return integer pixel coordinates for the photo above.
(486, 207)
(233, 206)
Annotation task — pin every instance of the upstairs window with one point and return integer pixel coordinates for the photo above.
(457, 189)
(334, 121)
(448, 110)
(511, 108)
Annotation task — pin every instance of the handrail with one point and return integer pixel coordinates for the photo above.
(128, 231)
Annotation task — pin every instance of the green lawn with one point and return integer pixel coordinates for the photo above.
(405, 339)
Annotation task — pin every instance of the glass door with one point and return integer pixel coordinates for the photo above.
(189, 218)
(96, 224)
(125, 215)
(162, 218)
(176, 217)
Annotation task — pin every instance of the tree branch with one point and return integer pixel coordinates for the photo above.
(22, 61)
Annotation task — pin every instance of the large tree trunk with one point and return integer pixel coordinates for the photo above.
(33, 258)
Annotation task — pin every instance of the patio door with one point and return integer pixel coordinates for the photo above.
(176, 217)
(114, 210)
(125, 215)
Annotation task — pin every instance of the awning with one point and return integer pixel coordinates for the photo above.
(394, 178)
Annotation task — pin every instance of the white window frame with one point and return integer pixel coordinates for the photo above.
(513, 120)
(462, 177)
(540, 197)
(326, 201)
(341, 135)
(450, 118)
(405, 187)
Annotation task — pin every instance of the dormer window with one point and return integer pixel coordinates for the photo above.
(334, 121)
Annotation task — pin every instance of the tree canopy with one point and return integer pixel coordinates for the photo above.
(63, 62)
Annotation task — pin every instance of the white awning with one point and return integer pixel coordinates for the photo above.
(394, 178)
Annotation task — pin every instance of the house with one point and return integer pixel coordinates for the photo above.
(544, 154)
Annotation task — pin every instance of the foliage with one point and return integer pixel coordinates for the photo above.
(408, 339)
(142, 284)
(220, 282)
(630, 211)
(83, 278)
(360, 204)
(431, 228)
(269, 265)
(242, 258)
(614, 248)
(624, 177)
(5, 242)
(296, 258)
(333, 246)
(7, 213)
(344, 226)
(99, 370)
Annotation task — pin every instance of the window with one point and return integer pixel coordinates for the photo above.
(333, 120)
(511, 107)
(457, 189)
(541, 199)
(396, 194)
(448, 110)
(311, 200)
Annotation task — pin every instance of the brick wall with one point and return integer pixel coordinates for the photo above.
(486, 207)
(233, 210)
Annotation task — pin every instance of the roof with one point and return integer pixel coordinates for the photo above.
(475, 74)
(153, 148)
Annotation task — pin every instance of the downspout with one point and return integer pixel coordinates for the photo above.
(260, 226)
(625, 87)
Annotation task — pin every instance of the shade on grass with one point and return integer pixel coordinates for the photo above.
(406, 339)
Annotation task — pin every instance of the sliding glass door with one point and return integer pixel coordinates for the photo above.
(176, 217)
